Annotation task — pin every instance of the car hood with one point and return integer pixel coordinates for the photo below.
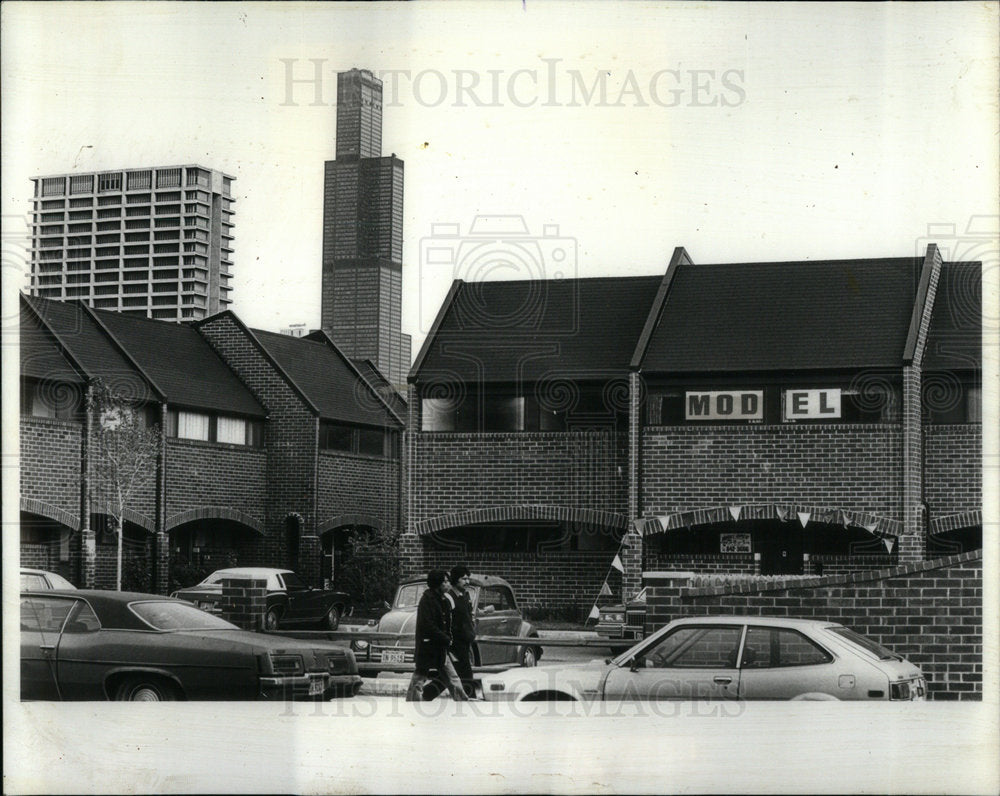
(212, 588)
(583, 679)
(402, 622)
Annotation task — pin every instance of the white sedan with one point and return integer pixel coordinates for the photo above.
(727, 657)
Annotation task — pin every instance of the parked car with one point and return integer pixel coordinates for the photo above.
(290, 600)
(494, 613)
(727, 657)
(41, 580)
(89, 644)
(623, 622)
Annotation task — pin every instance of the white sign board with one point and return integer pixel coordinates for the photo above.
(811, 404)
(729, 405)
(734, 543)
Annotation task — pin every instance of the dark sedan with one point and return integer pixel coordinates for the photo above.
(290, 600)
(90, 645)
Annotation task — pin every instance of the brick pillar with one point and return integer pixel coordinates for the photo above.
(161, 562)
(310, 552)
(88, 558)
(634, 444)
(913, 540)
(410, 555)
(663, 597)
(243, 602)
(632, 561)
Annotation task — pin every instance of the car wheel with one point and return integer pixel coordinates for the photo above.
(529, 656)
(271, 619)
(332, 619)
(145, 689)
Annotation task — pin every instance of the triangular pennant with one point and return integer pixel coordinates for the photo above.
(781, 512)
(617, 564)
(888, 543)
(870, 527)
(605, 590)
(735, 511)
(804, 517)
(594, 613)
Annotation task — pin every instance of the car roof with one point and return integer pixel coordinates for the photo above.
(111, 607)
(251, 571)
(767, 621)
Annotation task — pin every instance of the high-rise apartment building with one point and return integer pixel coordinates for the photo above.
(154, 241)
(363, 234)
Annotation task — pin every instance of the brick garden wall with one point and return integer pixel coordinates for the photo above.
(931, 612)
(352, 484)
(50, 462)
(707, 564)
(853, 467)
(953, 474)
(460, 472)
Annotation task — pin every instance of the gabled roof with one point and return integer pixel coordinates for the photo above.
(41, 356)
(380, 384)
(147, 359)
(785, 316)
(182, 363)
(954, 340)
(533, 329)
(327, 379)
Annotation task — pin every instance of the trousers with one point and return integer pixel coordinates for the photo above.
(447, 677)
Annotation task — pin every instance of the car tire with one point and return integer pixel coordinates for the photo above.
(272, 619)
(332, 619)
(528, 657)
(145, 688)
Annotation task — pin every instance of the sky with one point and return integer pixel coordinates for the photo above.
(612, 132)
(607, 133)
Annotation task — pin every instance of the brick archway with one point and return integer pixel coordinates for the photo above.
(443, 522)
(342, 520)
(214, 513)
(47, 510)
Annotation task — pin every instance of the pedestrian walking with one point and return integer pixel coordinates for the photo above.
(463, 628)
(433, 640)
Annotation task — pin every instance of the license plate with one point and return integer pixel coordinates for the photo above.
(315, 686)
(393, 656)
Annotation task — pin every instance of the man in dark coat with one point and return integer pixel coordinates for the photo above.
(463, 629)
(433, 639)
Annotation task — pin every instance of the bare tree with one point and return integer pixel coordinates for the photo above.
(125, 455)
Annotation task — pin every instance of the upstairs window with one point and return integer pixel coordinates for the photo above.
(363, 440)
(205, 427)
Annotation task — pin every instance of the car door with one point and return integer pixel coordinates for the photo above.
(782, 663)
(304, 604)
(42, 618)
(688, 662)
(493, 617)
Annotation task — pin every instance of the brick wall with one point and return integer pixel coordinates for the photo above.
(931, 612)
(552, 582)
(953, 474)
(35, 556)
(358, 485)
(819, 564)
(461, 472)
(290, 437)
(50, 462)
(209, 474)
(853, 467)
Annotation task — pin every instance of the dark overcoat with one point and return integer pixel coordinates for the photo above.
(433, 633)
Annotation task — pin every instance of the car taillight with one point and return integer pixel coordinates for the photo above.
(287, 664)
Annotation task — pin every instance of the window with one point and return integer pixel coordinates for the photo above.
(365, 440)
(769, 647)
(293, 582)
(55, 400)
(696, 648)
(232, 430)
(495, 598)
(191, 425)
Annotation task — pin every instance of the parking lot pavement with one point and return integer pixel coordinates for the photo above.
(386, 684)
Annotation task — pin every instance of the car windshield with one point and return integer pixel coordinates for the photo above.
(164, 615)
(876, 649)
(409, 595)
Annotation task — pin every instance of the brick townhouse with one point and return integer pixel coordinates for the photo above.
(270, 446)
(766, 418)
